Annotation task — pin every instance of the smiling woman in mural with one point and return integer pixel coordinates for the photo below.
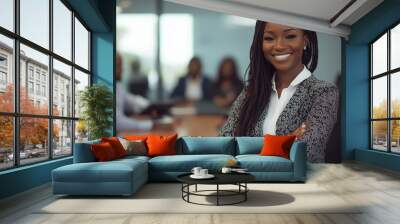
(282, 95)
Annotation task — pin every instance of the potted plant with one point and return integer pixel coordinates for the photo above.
(96, 103)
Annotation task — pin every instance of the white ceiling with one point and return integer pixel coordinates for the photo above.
(321, 9)
(317, 15)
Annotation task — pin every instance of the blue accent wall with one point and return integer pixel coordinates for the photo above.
(356, 83)
(99, 15)
(24, 178)
(103, 51)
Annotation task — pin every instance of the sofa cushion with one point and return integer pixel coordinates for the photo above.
(112, 171)
(133, 158)
(116, 145)
(159, 145)
(134, 147)
(249, 145)
(185, 163)
(257, 163)
(206, 145)
(277, 145)
(83, 152)
(103, 152)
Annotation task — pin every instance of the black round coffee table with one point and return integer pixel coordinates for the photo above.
(238, 179)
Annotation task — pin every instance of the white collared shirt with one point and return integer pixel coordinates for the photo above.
(278, 104)
(193, 89)
(132, 103)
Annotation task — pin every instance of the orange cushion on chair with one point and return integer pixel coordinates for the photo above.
(277, 145)
(103, 152)
(161, 145)
(116, 145)
(136, 137)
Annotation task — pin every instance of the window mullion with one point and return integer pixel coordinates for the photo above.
(16, 84)
(73, 82)
(389, 113)
(50, 81)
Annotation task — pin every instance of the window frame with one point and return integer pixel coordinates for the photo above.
(16, 115)
(388, 74)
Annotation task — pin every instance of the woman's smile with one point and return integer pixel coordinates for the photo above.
(281, 57)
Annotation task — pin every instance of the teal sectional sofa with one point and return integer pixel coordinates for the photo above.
(125, 176)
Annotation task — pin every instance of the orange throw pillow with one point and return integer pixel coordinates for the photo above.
(277, 145)
(103, 152)
(116, 145)
(136, 137)
(161, 145)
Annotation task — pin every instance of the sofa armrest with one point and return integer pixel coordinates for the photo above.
(299, 159)
(83, 152)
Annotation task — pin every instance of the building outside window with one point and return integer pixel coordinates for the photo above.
(38, 89)
(3, 72)
(3, 61)
(30, 87)
(3, 78)
(43, 90)
(44, 77)
(30, 72)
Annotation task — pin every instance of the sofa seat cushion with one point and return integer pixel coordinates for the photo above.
(112, 171)
(206, 145)
(133, 158)
(257, 163)
(185, 163)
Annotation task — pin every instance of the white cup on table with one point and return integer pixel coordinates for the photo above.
(203, 172)
(196, 171)
(226, 170)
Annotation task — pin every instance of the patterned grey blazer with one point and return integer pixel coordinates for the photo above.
(314, 102)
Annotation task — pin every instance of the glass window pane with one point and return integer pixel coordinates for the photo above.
(395, 47)
(141, 55)
(7, 14)
(62, 29)
(81, 81)
(176, 49)
(62, 89)
(395, 95)
(33, 140)
(81, 45)
(6, 142)
(35, 21)
(34, 96)
(395, 136)
(81, 131)
(379, 55)
(6, 74)
(379, 97)
(379, 135)
(62, 138)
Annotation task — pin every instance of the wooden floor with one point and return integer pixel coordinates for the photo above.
(377, 188)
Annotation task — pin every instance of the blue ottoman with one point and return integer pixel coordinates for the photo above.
(118, 177)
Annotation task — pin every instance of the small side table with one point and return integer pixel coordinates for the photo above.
(238, 179)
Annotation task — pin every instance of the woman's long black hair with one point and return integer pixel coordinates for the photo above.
(259, 83)
(235, 76)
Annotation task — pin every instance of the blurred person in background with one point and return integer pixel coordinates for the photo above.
(134, 104)
(228, 84)
(137, 82)
(128, 103)
(194, 86)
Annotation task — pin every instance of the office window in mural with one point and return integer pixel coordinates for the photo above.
(385, 97)
(45, 85)
(188, 65)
